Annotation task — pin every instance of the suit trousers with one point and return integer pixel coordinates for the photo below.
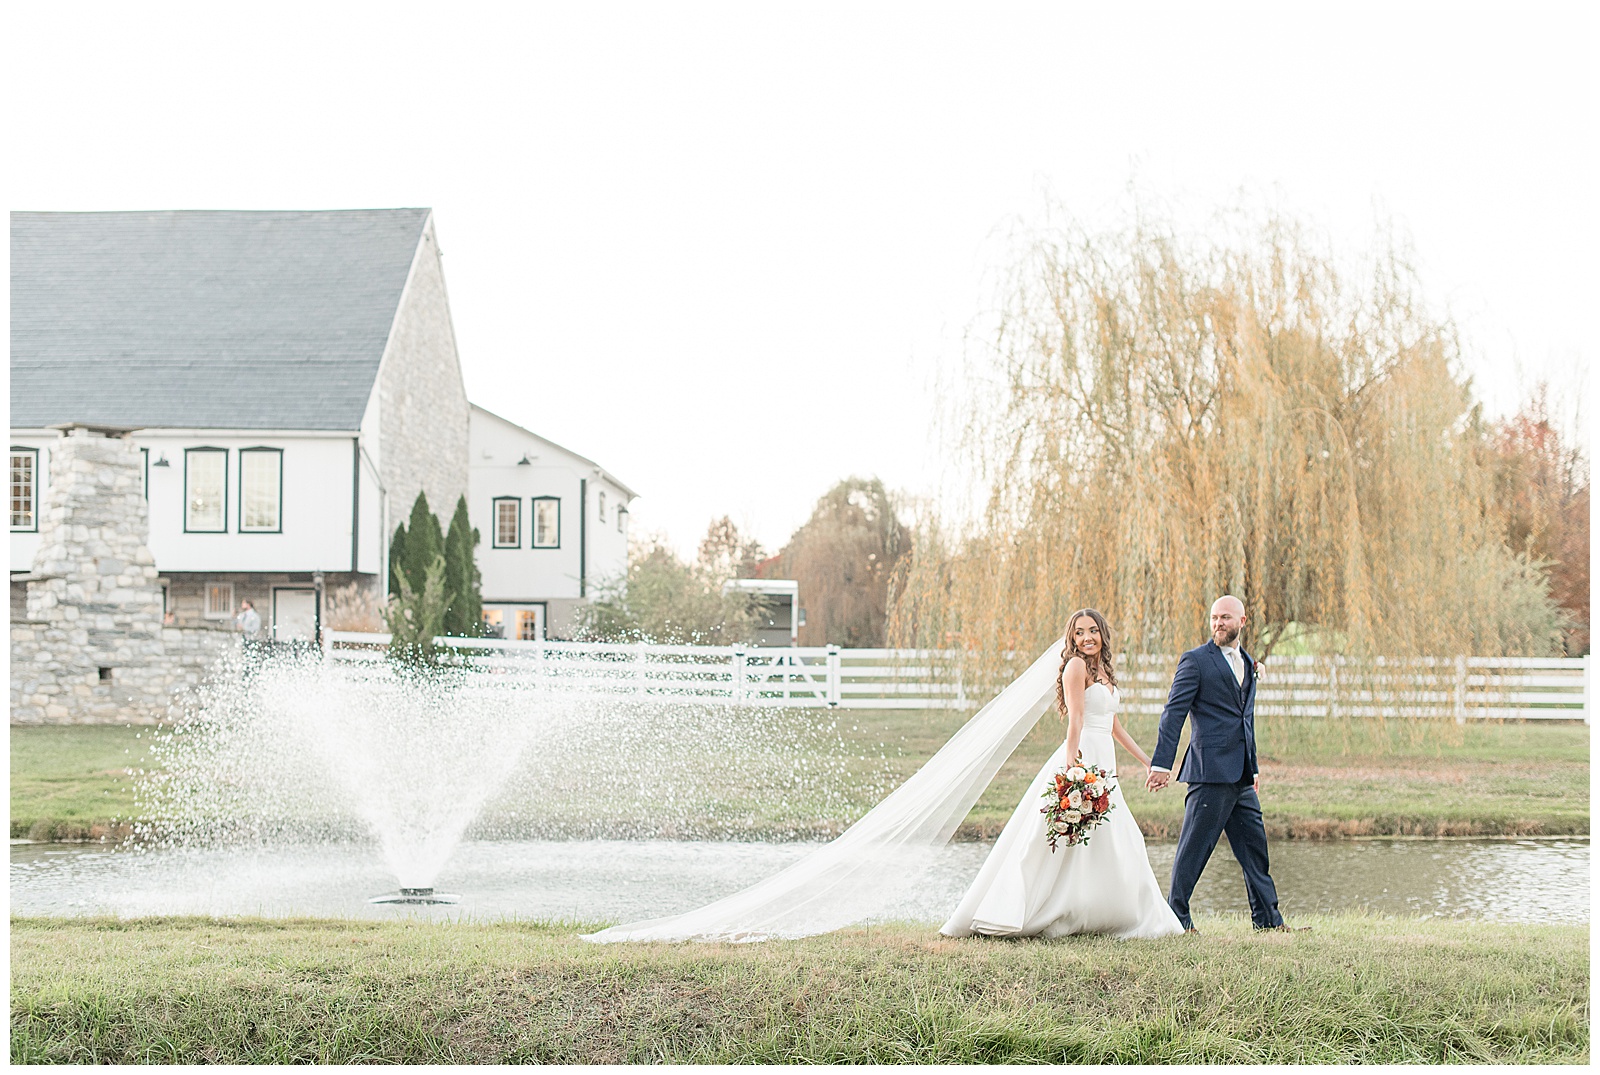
(1209, 810)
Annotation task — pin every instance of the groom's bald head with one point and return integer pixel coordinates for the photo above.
(1227, 619)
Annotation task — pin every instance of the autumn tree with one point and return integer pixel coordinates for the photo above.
(1163, 419)
(843, 557)
(1542, 485)
(725, 553)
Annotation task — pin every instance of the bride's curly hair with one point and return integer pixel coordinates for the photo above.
(1101, 665)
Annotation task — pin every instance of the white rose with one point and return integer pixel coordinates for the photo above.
(1076, 773)
(1072, 815)
(1074, 799)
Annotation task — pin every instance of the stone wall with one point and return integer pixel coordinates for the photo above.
(423, 412)
(186, 592)
(90, 646)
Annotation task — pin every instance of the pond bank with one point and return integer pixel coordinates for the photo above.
(1357, 989)
(48, 830)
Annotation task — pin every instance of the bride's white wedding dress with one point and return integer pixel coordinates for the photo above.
(883, 856)
(1103, 886)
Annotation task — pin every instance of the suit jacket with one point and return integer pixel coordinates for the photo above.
(1222, 735)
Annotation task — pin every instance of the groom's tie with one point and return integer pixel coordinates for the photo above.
(1237, 665)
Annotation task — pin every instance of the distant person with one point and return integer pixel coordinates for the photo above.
(248, 621)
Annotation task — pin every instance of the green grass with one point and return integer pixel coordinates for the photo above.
(1325, 778)
(1320, 778)
(70, 782)
(1355, 990)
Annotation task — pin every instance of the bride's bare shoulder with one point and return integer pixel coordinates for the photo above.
(1076, 671)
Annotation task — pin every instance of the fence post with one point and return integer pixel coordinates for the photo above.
(1586, 692)
(834, 669)
(1333, 687)
(327, 647)
(738, 675)
(1461, 689)
(639, 658)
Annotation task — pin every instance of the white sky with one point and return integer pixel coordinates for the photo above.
(723, 249)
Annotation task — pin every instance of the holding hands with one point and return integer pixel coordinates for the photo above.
(1157, 780)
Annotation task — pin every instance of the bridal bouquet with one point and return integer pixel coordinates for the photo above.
(1079, 800)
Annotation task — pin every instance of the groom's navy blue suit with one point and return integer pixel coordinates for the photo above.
(1220, 769)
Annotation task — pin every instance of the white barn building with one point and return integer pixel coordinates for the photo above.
(291, 378)
(291, 381)
(552, 525)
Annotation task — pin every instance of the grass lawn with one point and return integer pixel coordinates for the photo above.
(1320, 778)
(70, 782)
(1355, 990)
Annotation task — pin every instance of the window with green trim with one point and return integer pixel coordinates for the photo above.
(205, 490)
(260, 490)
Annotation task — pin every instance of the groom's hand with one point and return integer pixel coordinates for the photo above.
(1157, 781)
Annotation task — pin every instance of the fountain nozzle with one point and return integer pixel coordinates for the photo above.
(417, 895)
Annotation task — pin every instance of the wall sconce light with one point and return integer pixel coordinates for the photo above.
(162, 462)
(526, 460)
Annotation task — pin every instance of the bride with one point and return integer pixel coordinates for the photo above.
(1104, 885)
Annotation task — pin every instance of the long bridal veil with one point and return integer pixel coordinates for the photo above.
(875, 860)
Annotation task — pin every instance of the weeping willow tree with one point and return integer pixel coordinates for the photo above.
(1161, 421)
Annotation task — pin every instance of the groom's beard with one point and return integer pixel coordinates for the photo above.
(1225, 638)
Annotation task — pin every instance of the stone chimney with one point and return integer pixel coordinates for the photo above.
(93, 648)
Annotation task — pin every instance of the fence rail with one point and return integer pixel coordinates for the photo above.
(1463, 688)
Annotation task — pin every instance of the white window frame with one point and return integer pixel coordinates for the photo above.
(494, 522)
(600, 501)
(214, 589)
(244, 492)
(622, 519)
(537, 544)
(32, 525)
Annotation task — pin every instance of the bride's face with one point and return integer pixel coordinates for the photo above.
(1086, 636)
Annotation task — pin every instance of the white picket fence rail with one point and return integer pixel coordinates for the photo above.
(1519, 688)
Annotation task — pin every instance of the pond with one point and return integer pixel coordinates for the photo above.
(607, 880)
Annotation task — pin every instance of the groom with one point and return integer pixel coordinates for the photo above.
(1216, 685)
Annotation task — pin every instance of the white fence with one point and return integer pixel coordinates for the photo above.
(1464, 688)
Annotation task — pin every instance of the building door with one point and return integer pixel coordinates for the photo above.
(530, 624)
(294, 615)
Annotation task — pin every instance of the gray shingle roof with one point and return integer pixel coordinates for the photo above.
(211, 320)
